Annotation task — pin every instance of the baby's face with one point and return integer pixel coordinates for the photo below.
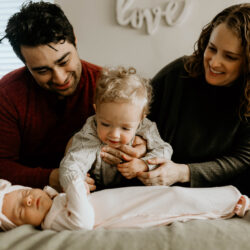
(26, 206)
(117, 122)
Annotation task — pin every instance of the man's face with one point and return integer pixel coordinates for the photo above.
(55, 66)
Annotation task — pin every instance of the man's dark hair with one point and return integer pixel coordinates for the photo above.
(36, 24)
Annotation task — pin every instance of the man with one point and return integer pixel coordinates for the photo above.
(44, 103)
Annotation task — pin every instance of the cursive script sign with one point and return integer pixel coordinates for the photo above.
(175, 13)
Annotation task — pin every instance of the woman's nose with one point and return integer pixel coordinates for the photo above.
(215, 61)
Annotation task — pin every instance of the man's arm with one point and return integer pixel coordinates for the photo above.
(11, 167)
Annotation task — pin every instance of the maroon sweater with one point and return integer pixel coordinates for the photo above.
(35, 125)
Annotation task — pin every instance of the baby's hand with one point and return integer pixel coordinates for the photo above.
(130, 169)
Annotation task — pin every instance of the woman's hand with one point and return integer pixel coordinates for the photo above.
(166, 174)
(125, 152)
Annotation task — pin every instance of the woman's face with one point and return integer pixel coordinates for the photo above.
(223, 57)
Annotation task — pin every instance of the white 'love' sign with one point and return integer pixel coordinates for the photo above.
(175, 13)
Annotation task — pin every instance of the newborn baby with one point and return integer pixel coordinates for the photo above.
(136, 207)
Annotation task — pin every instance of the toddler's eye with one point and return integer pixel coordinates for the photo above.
(104, 124)
(127, 129)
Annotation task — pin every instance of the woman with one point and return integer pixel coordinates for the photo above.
(202, 107)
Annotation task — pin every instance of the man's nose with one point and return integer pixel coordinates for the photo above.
(59, 76)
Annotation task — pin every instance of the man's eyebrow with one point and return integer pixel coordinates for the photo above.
(40, 68)
(56, 62)
(62, 57)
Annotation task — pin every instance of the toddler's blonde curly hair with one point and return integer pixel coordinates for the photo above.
(123, 85)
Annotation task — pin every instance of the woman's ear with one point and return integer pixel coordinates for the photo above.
(94, 107)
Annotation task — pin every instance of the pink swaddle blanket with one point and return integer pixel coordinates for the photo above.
(150, 206)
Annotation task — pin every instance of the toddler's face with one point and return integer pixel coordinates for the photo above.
(26, 206)
(117, 122)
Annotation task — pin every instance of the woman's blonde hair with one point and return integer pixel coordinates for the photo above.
(123, 85)
(237, 19)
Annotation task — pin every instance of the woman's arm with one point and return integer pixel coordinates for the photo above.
(166, 174)
(223, 170)
(226, 167)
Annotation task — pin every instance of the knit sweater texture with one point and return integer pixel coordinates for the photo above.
(36, 125)
(202, 124)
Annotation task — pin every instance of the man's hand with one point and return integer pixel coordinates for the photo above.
(130, 169)
(54, 180)
(125, 152)
(91, 183)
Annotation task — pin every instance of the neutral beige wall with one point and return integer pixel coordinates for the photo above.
(102, 41)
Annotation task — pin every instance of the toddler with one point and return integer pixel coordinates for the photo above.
(121, 103)
(129, 207)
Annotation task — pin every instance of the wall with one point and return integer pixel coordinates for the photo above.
(102, 41)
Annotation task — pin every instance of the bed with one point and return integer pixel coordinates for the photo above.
(228, 234)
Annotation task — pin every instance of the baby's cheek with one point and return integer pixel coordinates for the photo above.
(127, 139)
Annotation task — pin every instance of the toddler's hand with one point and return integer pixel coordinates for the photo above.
(130, 169)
